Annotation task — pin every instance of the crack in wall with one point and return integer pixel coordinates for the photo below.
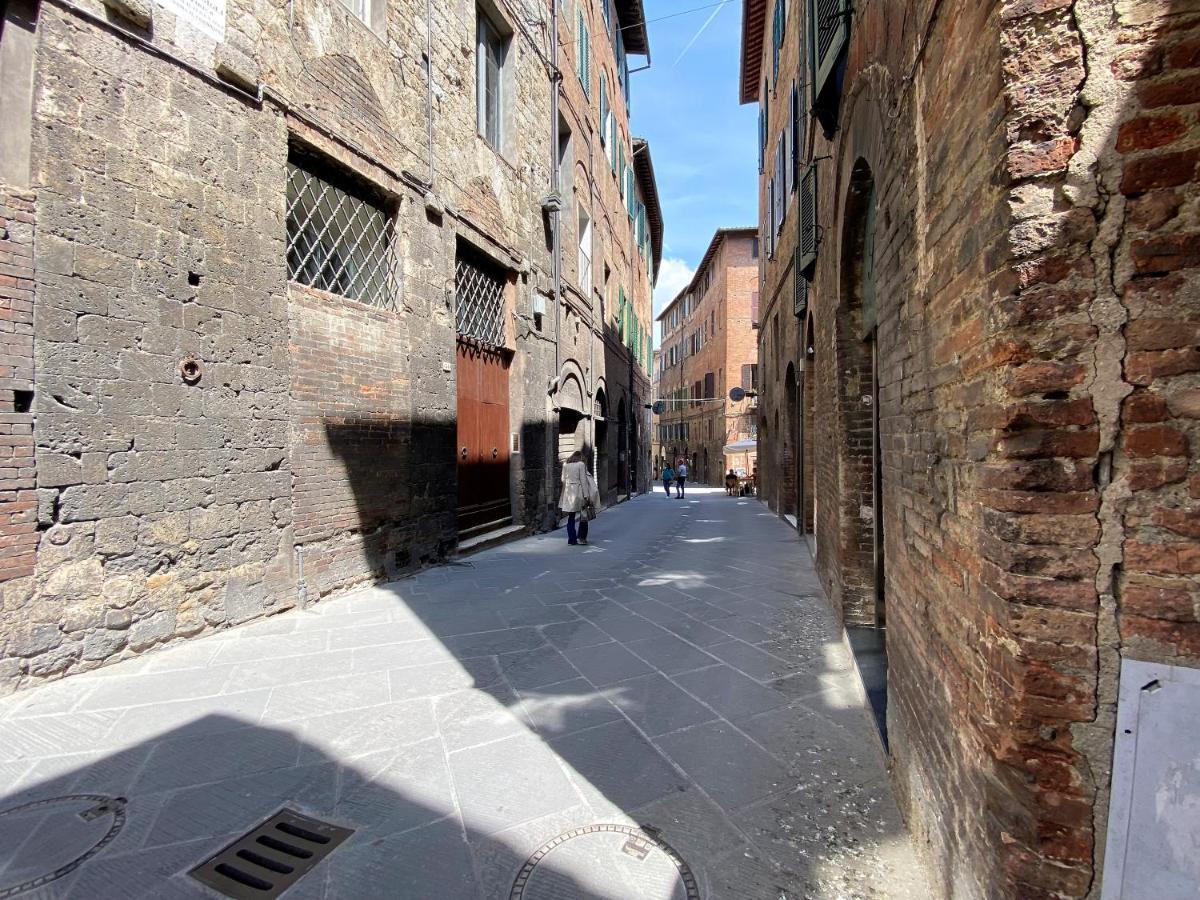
(1094, 175)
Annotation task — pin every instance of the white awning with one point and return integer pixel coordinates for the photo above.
(741, 447)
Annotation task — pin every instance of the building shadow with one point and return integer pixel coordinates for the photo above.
(188, 792)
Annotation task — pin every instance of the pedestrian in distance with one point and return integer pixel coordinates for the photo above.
(681, 473)
(731, 483)
(580, 498)
(668, 475)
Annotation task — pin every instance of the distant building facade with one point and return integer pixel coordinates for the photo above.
(979, 294)
(286, 309)
(708, 345)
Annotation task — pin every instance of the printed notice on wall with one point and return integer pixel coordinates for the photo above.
(207, 16)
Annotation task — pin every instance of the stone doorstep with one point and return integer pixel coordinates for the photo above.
(491, 539)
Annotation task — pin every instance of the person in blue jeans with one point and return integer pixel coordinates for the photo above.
(668, 475)
(681, 472)
(578, 491)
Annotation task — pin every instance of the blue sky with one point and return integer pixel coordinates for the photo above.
(701, 140)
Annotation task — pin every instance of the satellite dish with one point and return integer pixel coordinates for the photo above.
(659, 407)
(737, 395)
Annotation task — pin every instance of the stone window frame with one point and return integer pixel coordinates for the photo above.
(488, 18)
(372, 13)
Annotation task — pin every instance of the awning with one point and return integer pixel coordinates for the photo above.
(741, 447)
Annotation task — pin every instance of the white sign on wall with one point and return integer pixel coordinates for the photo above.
(207, 16)
(1153, 848)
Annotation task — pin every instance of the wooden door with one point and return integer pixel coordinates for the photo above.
(482, 446)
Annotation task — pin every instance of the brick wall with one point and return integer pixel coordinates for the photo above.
(1032, 166)
(18, 501)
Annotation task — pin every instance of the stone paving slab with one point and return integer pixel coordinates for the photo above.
(680, 672)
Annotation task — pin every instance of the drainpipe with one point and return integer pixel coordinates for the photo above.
(429, 85)
(556, 252)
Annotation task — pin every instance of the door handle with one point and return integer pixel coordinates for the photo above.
(495, 453)
(464, 452)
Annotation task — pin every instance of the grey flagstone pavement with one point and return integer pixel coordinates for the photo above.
(681, 672)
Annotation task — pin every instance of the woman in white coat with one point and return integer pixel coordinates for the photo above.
(578, 491)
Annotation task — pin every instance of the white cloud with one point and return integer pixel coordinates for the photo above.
(673, 276)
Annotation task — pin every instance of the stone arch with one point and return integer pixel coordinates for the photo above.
(571, 402)
(859, 507)
(789, 444)
(622, 484)
(600, 427)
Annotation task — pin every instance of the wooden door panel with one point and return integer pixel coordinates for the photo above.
(483, 494)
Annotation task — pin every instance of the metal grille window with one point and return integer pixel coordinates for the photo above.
(338, 242)
(479, 302)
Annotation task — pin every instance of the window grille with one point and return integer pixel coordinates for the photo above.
(338, 242)
(479, 302)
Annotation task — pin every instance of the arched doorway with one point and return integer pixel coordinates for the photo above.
(808, 497)
(789, 481)
(635, 443)
(622, 484)
(861, 470)
(600, 421)
(571, 435)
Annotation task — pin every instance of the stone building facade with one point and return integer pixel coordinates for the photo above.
(289, 300)
(980, 292)
(709, 345)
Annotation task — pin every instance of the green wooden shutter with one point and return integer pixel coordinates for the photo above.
(621, 178)
(828, 35)
(604, 113)
(800, 300)
(612, 157)
(808, 217)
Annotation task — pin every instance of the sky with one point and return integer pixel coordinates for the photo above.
(701, 139)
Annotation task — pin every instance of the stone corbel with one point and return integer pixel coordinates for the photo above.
(136, 12)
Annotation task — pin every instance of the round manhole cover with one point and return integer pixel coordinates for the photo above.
(51, 838)
(606, 861)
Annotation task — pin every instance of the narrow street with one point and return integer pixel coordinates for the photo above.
(680, 673)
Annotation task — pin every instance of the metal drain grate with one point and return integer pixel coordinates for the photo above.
(272, 857)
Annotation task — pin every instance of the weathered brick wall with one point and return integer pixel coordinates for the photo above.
(18, 501)
(1033, 165)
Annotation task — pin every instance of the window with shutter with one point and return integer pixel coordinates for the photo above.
(762, 125)
(604, 114)
(800, 299)
(770, 214)
(780, 191)
(828, 35)
(797, 137)
(747, 377)
(776, 41)
(808, 217)
(621, 179)
(754, 309)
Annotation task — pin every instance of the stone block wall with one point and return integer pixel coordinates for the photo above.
(210, 442)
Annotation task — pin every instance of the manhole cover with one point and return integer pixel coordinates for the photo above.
(606, 861)
(47, 839)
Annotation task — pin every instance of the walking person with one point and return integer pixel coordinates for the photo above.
(681, 472)
(668, 475)
(580, 498)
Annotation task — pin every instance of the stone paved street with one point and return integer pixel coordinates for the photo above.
(681, 672)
